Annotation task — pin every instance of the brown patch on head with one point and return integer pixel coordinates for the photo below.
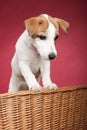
(36, 25)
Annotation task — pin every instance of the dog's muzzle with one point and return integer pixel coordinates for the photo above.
(52, 56)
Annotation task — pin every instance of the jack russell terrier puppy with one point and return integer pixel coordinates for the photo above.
(34, 50)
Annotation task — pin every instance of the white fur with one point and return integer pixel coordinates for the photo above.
(31, 60)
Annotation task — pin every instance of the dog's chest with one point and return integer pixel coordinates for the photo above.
(35, 64)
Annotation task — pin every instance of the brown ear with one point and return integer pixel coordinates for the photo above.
(64, 25)
(35, 25)
(31, 25)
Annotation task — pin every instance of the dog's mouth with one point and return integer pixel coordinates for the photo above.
(51, 56)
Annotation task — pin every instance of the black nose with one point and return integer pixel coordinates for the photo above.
(52, 56)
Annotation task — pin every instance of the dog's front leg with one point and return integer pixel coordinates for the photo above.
(45, 72)
(29, 76)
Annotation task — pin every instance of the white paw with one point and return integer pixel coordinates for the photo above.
(35, 88)
(51, 86)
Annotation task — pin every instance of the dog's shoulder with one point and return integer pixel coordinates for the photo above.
(23, 37)
(23, 41)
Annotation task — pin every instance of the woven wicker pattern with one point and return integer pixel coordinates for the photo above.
(64, 109)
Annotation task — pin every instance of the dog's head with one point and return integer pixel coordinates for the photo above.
(44, 31)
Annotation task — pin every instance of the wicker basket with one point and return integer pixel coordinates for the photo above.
(64, 109)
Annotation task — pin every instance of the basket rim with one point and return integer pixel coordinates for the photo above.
(43, 91)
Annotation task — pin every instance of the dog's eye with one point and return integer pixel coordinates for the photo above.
(56, 38)
(42, 37)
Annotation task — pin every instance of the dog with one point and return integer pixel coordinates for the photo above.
(34, 50)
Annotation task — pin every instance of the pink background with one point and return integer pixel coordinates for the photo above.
(70, 67)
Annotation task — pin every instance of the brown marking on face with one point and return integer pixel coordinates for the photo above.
(36, 25)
